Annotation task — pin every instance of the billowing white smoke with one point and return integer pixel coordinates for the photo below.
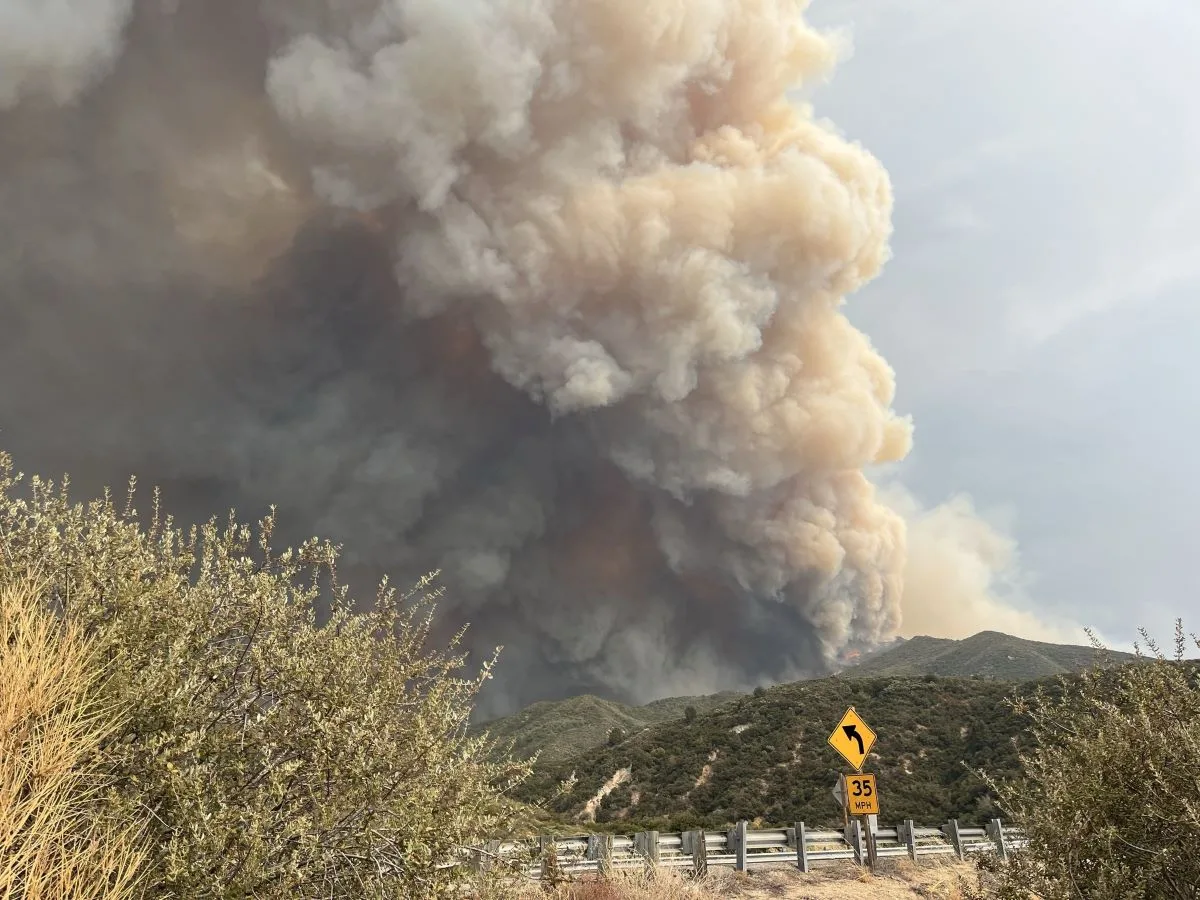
(597, 369)
(54, 50)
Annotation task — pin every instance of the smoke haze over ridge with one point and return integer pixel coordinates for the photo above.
(546, 294)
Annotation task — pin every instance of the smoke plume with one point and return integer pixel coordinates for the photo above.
(963, 575)
(545, 293)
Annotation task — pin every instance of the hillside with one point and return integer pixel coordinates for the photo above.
(562, 728)
(988, 654)
(766, 756)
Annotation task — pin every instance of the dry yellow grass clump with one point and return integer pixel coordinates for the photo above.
(52, 723)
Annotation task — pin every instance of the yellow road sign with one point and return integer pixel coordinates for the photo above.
(862, 798)
(853, 738)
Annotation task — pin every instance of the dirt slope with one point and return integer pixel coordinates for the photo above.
(895, 881)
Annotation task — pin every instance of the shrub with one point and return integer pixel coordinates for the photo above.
(273, 756)
(54, 839)
(616, 735)
(1110, 793)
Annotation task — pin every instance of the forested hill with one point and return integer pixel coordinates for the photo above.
(561, 728)
(765, 756)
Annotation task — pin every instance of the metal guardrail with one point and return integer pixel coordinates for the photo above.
(743, 848)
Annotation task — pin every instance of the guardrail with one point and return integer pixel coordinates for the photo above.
(743, 848)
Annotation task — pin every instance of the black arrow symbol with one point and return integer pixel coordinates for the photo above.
(852, 733)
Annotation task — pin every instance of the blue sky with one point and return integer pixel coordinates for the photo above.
(1040, 310)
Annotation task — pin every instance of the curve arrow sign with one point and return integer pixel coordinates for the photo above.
(853, 739)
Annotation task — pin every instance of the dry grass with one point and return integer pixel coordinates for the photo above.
(51, 725)
(896, 881)
(665, 885)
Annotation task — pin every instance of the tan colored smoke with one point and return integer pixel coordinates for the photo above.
(642, 227)
(963, 575)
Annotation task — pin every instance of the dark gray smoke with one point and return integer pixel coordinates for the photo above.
(544, 293)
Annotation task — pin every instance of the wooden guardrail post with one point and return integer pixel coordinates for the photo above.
(995, 830)
(489, 857)
(955, 838)
(737, 837)
(801, 847)
(646, 845)
(871, 825)
(551, 870)
(699, 853)
(602, 851)
(908, 837)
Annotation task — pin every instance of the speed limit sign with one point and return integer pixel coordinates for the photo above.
(861, 797)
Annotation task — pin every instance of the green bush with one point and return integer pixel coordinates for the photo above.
(271, 756)
(1109, 795)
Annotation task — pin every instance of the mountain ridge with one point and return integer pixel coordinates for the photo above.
(560, 729)
(987, 654)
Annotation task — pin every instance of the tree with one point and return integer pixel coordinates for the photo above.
(615, 736)
(269, 756)
(689, 714)
(1109, 796)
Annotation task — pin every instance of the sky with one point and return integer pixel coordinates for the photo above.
(1040, 308)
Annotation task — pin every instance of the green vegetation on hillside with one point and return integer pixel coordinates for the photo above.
(988, 654)
(562, 728)
(766, 757)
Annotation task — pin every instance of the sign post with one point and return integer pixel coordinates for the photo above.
(853, 738)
